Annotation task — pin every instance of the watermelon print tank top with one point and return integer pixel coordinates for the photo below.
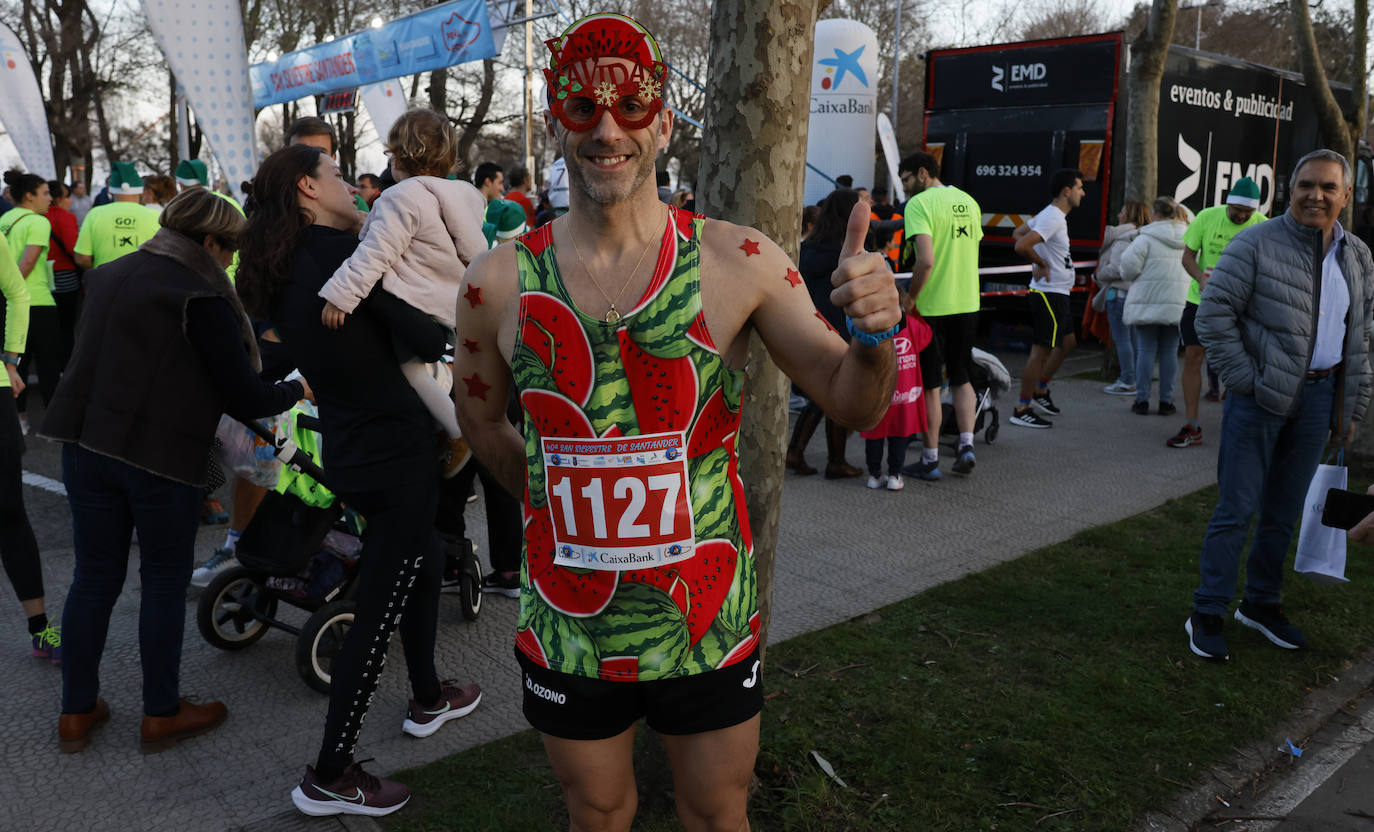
(655, 371)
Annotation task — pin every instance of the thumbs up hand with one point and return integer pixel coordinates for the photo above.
(864, 286)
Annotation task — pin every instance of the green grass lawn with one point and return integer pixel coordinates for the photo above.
(1055, 692)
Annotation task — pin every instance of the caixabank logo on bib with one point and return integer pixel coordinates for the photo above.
(1014, 77)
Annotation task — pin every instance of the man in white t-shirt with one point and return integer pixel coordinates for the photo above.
(1045, 242)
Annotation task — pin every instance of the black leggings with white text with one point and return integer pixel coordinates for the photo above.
(401, 569)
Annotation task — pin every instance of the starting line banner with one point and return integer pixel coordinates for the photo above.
(447, 34)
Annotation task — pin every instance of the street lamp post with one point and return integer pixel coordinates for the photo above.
(896, 61)
(529, 90)
(1197, 34)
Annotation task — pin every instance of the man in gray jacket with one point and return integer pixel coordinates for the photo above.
(1284, 320)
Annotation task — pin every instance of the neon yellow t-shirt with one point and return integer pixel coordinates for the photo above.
(954, 223)
(23, 228)
(16, 292)
(1208, 234)
(114, 230)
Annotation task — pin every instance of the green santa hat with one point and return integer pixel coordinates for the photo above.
(1245, 193)
(191, 172)
(505, 220)
(124, 179)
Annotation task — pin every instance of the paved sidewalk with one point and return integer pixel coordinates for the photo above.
(844, 551)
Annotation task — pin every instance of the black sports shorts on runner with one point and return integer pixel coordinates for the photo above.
(1187, 331)
(951, 345)
(579, 708)
(1049, 318)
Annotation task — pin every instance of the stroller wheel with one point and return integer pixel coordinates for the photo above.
(227, 608)
(990, 434)
(320, 641)
(470, 587)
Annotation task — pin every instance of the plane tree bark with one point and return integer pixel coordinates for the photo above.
(1148, 53)
(753, 154)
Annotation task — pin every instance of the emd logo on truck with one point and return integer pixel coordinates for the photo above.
(1023, 76)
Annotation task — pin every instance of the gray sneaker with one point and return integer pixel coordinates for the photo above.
(1119, 388)
(221, 560)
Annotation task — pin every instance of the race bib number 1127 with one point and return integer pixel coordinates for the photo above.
(619, 503)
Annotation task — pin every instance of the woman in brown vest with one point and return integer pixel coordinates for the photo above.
(164, 350)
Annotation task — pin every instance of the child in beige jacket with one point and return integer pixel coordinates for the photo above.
(418, 240)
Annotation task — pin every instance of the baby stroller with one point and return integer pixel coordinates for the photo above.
(301, 548)
(989, 378)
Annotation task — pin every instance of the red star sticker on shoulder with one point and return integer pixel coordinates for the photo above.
(794, 277)
(477, 388)
(749, 247)
(471, 346)
(474, 296)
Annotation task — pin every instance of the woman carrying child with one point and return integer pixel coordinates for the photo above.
(417, 240)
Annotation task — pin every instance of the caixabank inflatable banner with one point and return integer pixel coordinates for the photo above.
(844, 107)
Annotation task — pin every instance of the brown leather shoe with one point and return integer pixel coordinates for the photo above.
(796, 461)
(162, 732)
(74, 730)
(841, 470)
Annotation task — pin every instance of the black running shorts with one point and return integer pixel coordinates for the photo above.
(1187, 331)
(1049, 318)
(578, 708)
(951, 344)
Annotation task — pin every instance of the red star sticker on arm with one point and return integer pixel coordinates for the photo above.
(471, 346)
(794, 277)
(827, 323)
(474, 296)
(749, 247)
(477, 388)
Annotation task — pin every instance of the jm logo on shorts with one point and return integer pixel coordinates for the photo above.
(544, 693)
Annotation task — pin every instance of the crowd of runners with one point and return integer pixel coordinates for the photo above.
(582, 352)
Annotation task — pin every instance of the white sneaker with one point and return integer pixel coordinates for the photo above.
(874, 482)
(894, 483)
(221, 560)
(1119, 388)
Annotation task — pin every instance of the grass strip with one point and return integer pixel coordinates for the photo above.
(1053, 692)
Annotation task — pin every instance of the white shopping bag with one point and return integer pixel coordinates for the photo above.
(1321, 549)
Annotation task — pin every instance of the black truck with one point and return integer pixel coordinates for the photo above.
(1003, 118)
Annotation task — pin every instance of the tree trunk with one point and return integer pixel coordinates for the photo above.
(173, 151)
(1360, 84)
(195, 136)
(753, 155)
(467, 133)
(347, 148)
(1142, 116)
(1339, 134)
(438, 90)
(59, 38)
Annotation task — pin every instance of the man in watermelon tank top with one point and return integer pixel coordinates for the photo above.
(624, 328)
